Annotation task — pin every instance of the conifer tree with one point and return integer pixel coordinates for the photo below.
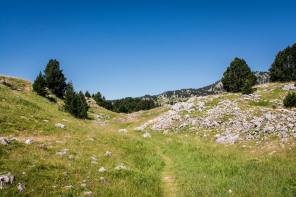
(55, 79)
(236, 75)
(284, 66)
(87, 94)
(39, 85)
(247, 88)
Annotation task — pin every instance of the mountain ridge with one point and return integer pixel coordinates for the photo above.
(174, 96)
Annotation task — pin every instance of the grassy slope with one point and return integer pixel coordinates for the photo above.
(45, 169)
(195, 166)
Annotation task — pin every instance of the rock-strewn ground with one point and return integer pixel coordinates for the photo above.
(232, 117)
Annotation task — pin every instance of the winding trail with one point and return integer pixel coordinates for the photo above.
(168, 177)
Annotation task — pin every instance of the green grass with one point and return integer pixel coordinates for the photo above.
(196, 165)
(262, 103)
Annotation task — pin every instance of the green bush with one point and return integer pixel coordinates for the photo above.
(290, 100)
(247, 88)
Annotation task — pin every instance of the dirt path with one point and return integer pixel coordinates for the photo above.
(168, 177)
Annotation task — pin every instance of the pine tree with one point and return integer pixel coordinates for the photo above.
(290, 100)
(284, 66)
(236, 75)
(39, 85)
(83, 106)
(75, 103)
(70, 101)
(55, 79)
(87, 94)
(247, 88)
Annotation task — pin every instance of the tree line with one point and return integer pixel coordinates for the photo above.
(124, 105)
(54, 81)
(239, 78)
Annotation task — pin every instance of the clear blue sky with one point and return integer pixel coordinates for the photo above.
(132, 48)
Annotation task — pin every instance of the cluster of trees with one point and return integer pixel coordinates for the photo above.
(125, 105)
(75, 103)
(238, 77)
(283, 69)
(129, 104)
(284, 66)
(54, 80)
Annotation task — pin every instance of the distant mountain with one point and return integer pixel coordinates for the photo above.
(171, 97)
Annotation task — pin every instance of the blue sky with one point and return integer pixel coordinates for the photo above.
(132, 48)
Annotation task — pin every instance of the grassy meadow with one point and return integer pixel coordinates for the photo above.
(163, 165)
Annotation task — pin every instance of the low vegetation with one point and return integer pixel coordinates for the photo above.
(66, 161)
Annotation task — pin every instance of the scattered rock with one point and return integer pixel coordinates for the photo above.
(83, 185)
(60, 125)
(146, 135)
(21, 187)
(121, 166)
(88, 193)
(45, 121)
(102, 169)
(24, 117)
(63, 152)
(4, 141)
(68, 187)
(103, 180)
(289, 87)
(108, 153)
(230, 191)
(29, 141)
(65, 120)
(6, 179)
(14, 139)
(123, 131)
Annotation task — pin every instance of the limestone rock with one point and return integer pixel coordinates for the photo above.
(123, 131)
(60, 125)
(4, 141)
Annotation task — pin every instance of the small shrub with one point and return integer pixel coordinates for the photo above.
(290, 100)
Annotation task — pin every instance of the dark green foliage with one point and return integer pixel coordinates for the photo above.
(236, 75)
(290, 100)
(125, 105)
(75, 103)
(284, 66)
(55, 79)
(87, 94)
(247, 88)
(101, 101)
(39, 85)
(129, 104)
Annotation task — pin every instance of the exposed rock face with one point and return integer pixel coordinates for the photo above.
(229, 117)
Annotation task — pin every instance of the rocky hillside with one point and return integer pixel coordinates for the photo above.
(229, 117)
(171, 97)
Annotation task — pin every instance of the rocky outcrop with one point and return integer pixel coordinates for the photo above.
(228, 117)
